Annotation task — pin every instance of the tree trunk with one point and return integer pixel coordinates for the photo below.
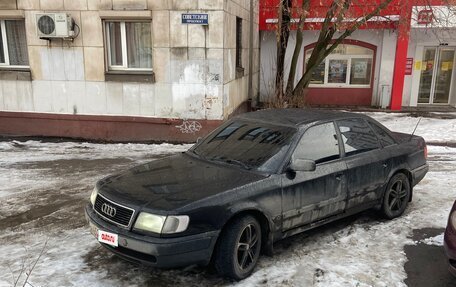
(297, 49)
(282, 43)
(317, 56)
(293, 66)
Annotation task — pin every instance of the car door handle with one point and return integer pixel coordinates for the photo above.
(385, 165)
(339, 176)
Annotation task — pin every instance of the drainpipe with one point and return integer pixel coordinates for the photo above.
(250, 84)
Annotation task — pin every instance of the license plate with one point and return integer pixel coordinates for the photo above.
(108, 238)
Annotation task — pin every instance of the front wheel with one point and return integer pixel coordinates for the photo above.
(397, 196)
(239, 248)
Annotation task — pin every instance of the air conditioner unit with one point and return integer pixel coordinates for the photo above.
(54, 25)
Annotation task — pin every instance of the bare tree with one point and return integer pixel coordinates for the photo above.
(338, 24)
(283, 33)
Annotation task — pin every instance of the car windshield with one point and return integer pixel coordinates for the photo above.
(247, 144)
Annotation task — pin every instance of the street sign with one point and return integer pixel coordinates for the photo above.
(200, 19)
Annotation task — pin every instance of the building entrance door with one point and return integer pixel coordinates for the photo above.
(436, 75)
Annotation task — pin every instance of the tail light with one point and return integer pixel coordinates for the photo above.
(425, 151)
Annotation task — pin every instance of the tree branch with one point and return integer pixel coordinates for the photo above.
(34, 264)
(321, 50)
(358, 23)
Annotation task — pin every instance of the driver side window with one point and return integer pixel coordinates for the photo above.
(319, 143)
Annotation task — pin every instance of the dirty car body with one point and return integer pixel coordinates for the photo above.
(287, 170)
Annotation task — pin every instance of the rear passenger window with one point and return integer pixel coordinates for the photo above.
(319, 143)
(383, 136)
(357, 136)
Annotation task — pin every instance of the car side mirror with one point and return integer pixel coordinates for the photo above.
(302, 165)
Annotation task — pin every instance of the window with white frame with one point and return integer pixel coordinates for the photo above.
(129, 45)
(13, 47)
(347, 66)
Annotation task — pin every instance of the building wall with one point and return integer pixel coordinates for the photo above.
(268, 57)
(385, 63)
(193, 65)
(236, 88)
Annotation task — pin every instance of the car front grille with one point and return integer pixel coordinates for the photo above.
(113, 212)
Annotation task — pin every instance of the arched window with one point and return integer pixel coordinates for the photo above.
(348, 65)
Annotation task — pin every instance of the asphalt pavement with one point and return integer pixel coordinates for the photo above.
(427, 265)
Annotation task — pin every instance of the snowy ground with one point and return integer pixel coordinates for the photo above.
(44, 187)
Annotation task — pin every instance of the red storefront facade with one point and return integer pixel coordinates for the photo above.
(376, 66)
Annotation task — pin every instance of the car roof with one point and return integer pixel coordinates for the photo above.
(296, 117)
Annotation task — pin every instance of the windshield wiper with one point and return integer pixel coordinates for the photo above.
(237, 162)
(197, 154)
(224, 160)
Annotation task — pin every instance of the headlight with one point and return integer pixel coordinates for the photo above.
(453, 220)
(161, 224)
(93, 196)
(150, 222)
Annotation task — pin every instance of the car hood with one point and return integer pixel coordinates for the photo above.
(172, 182)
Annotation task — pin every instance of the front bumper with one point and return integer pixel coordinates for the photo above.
(419, 173)
(158, 252)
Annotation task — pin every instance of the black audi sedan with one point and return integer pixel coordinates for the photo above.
(258, 178)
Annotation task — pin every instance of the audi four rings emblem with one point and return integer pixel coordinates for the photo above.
(108, 210)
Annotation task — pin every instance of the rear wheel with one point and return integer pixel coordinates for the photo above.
(239, 248)
(396, 197)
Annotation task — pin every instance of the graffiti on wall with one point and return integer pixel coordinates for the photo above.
(189, 127)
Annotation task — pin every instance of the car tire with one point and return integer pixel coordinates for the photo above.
(239, 248)
(397, 196)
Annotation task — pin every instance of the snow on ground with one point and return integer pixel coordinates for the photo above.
(430, 128)
(44, 187)
(25, 166)
(436, 240)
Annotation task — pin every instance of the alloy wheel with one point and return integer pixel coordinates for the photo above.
(247, 247)
(397, 196)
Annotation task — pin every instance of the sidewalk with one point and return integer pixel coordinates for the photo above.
(426, 109)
